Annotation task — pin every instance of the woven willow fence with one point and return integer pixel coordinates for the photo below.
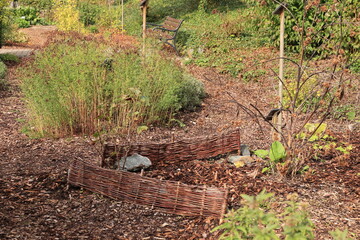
(199, 148)
(166, 196)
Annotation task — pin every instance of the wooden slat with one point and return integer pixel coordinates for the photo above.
(173, 20)
(170, 25)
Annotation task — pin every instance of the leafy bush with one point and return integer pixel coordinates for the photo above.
(10, 58)
(3, 70)
(276, 154)
(213, 34)
(317, 26)
(26, 16)
(3, 82)
(110, 17)
(255, 220)
(88, 13)
(38, 4)
(85, 87)
(4, 22)
(67, 16)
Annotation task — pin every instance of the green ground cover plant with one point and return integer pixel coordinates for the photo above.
(85, 87)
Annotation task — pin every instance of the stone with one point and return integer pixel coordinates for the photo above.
(244, 150)
(241, 161)
(19, 52)
(133, 163)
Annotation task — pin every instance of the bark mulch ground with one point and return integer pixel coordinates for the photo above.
(37, 203)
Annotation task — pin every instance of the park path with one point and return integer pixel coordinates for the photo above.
(37, 37)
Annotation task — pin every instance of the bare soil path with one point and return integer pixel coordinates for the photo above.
(36, 203)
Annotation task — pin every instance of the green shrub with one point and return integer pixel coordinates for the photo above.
(4, 22)
(3, 83)
(38, 4)
(26, 16)
(9, 58)
(84, 87)
(3, 70)
(110, 17)
(255, 220)
(89, 13)
(67, 16)
(250, 221)
(175, 8)
(341, 235)
(321, 25)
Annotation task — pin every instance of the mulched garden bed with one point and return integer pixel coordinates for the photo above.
(37, 203)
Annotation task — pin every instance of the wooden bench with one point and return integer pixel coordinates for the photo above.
(167, 31)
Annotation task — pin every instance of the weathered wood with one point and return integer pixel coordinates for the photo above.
(166, 196)
(199, 148)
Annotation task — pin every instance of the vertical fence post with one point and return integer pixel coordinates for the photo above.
(144, 6)
(122, 16)
(281, 12)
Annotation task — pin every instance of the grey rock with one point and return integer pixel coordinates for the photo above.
(20, 52)
(244, 150)
(240, 161)
(134, 163)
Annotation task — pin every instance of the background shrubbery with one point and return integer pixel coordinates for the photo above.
(26, 16)
(4, 22)
(3, 82)
(213, 31)
(84, 86)
(2, 70)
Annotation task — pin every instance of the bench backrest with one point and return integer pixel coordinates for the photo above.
(172, 23)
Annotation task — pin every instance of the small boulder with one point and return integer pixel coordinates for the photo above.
(244, 150)
(134, 163)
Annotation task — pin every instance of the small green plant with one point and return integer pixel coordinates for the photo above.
(313, 131)
(276, 154)
(297, 225)
(251, 221)
(337, 234)
(255, 220)
(253, 75)
(329, 147)
(346, 112)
